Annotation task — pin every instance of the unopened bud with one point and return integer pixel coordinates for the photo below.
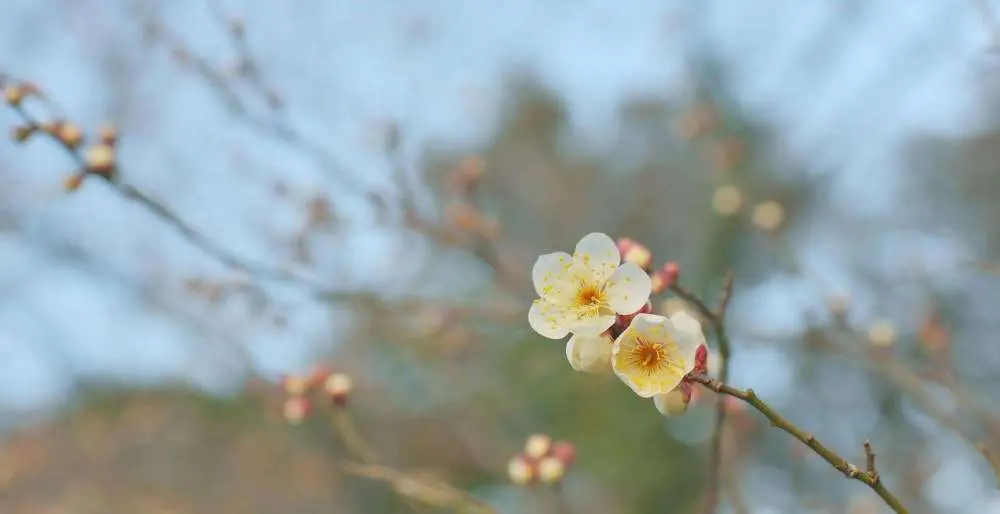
(108, 134)
(882, 334)
(52, 127)
(73, 182)
(69, 134)
(635, 253)
(21, 133)
(663, 278)
(319, 372)
(100, 159)
(674, 402)
(338, 387)
(295, 386)
(520, 471)
(727, 200)
(624, 320)
(13, 95)
(701, 359)
(565, 451)
(537, 446)
(296, 409)
(551, 470)
(768, 215)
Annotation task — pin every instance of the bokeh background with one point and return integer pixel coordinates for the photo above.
(840, 157)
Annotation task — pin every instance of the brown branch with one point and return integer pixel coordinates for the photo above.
(428, 491)
(869, 476)
(717, 319)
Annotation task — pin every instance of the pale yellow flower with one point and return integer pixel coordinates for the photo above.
(590, 354)
(582, 293)
(654, 353)
(672, 403)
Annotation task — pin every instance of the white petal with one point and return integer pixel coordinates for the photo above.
(628, 289)
(651, 326)
(599, 254)
(550, 272)
(589, 354)
(688, 335)
(591, 326)
(548, 320)
(671, 403)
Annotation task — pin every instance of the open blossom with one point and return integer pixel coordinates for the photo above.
(654, 353)
(590, 354)
(582, 293)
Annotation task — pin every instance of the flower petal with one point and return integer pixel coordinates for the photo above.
(592, 325)
(688, 334)
(628, 289)
(598, 253)
(589, 354)
(551, 273)
(651, 328)
(672, 403)
(548, 320)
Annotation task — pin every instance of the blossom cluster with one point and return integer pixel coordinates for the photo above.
(599, 296)
(542, 460)
(335, 387)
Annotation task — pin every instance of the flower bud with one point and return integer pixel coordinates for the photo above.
(69, 134)
(635, 253)
(537, 446)
(768, 215)
(295, 386)
(520, 471)
(13, 95)
(551, 470)
(296, 409)
(338, 387)
(73, 182)
(565, 451)
(624, 320)
(21, 133)
(701, 360)
(108, 134)
(727, 201)
(882, 334)
(674, 402)
(100, 159)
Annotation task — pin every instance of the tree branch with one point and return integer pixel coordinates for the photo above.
(869, 476)
(717, 319)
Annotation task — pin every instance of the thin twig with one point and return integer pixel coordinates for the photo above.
(717, 319)
(869, 476)
(351, 437)
(425, 490)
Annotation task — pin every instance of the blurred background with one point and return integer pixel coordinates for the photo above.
(402, 164)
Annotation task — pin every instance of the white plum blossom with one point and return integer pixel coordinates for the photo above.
(582, 293)
(590, 354)
(654, 353)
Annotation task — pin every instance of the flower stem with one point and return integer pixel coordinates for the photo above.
(869, 476)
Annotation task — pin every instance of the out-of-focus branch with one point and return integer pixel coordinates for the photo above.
(717, 318)
(869, 476)
(991, 459)
(425, 490)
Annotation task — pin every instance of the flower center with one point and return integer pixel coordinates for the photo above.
(649, 357)
(590, 301)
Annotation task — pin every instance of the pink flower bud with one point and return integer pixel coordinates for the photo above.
(296, 409)
(701, 360)
(564, 451)
(634, 252)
